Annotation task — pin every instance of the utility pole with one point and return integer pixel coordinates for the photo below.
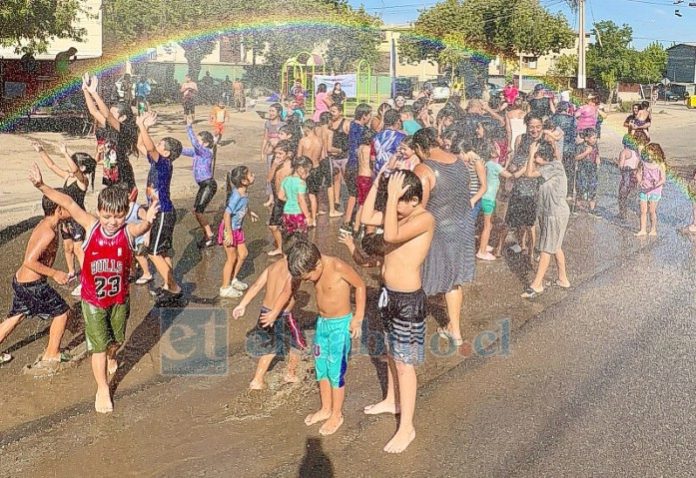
(582, 77)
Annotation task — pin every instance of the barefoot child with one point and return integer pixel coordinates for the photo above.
(231, 234)
(280, 169)
(652, 176)
(31, 293)
(104, 279)
(629, 159)
(293, 190)
(587, 157)
(218, 118)
(276, 328)
(364, 179)
(320, 176)
(333, 280)
(408, 232)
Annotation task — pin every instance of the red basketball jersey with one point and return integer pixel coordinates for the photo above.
(106, 267)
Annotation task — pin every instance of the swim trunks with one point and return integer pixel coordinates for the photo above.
(403, 316)
(320, 177)
(277, 339)
(294, 223)
(364, 184)
(36, 298)
(276, 218)
(104, 326)
(332, 349)
(206, 192)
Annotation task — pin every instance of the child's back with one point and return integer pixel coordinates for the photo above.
(278, 278)
(312, 147)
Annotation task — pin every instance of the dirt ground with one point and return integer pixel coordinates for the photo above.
(182, 407)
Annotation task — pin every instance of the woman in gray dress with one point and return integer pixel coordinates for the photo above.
(552, 213)
(450, 261)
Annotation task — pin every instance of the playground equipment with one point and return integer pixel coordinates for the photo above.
(303, 67)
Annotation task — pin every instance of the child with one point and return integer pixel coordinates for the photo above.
(320, 176)
(407, 157)
(75, 186)
(280, 169)
(477, 171)
(494, 170)
(105, 295)
(629, 159)
(32, 295)
(652, 176)
(203, 154)
(231, 233)
(271, 136)
(408, 232)
(218, 118)
(364, 180)
(161, 158)
(272, 332)
(587, 157)
(293, 190)
(333, 280)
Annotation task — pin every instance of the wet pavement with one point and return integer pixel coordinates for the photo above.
(596, 380)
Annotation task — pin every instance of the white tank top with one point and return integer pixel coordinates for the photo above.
(517, 128)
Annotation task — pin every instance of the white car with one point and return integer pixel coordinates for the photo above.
(441, 90)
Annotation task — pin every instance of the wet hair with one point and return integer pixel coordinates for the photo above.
(546, 151)
(425, 138)
(450, 134)
(113, 199)
(278, 107)
(463, 146)
(366, 137)
(419, 105)
(173, 146)
(303, 258)
(290, 240)
(529, 117)
(324, 118)
(49, 207)
(128, 134)
(309, 124)
(207, 138)
(383, 108)
(321, 88)
(86, 161)
(362, 110)
(645, 105)
(415, 187)
(408, 109)
(286, 146)
(236, 177)
(372, 244)
(655, 152)
(640, 137)
(407, 141)
(589, 132)
(391, 117)
(301, 162)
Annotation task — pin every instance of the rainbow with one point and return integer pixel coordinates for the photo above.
(336, 25)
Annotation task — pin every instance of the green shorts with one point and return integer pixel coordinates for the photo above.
(488, 206)
(332, 349)
(104, 326)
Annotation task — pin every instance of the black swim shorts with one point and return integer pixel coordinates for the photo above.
(320, 178)
(206, 191)
(36, 299)
(162, 234)
(403, 317)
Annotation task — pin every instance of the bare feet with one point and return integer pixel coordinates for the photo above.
(111, 366)
(321, 213)
(640, 233)
(400, 441)
(291, 378)
(257, 385)
(268, 203)
(653, 233)
(381, 407)
(275, 252)
(317, 417)
(331, 425)
(102, 402)
(335, 214)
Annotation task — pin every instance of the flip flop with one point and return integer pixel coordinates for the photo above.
(556, 283)
(144, 280)
(5, 358)
(530, 293)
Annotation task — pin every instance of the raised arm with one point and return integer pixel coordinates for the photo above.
(369, 216)
(135, 230)
(103, 109)
(144, 122)
(38, 147)
(72, 166)
(82, 217)
(425, 175)
(393, 232)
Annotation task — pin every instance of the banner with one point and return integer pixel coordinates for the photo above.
(348, 83)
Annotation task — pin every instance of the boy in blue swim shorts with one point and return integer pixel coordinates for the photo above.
(333, 280)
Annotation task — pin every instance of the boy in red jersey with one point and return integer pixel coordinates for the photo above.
(108, 254)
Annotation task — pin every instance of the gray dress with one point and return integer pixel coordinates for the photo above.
(553, 211)
(450, 261)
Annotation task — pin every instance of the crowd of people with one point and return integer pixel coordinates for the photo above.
(426, 199)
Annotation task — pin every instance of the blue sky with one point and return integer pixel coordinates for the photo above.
(650, 19)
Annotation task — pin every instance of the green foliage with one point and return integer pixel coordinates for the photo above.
(28, 25)
(493, 27)
(649, 65)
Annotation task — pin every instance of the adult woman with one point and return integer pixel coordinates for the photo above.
(514, 123)
(338, 96)
(399, 103)
(540, 104)
(450, 263)
(586, 115)
(642, 120)
(378, 120)
(630, 118)
(552, 211)
(322, 102)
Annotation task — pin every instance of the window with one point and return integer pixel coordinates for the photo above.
(529, 62)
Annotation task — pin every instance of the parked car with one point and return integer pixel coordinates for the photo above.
(441, 89)
(668, 95)
(402, 87)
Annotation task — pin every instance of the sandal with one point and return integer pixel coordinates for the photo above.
(142, 280)
(5, 358)
(530, 293)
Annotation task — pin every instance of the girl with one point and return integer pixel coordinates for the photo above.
(231, 233)
(378, 120)
(293, 190)
(322, 102)
(652, 175)
(629, 159)
(408, 159)
(477, 173)
(79, 165)
(281, 168)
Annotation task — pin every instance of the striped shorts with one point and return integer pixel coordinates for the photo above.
(403, 316)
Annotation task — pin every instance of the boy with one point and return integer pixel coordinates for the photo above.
(408, 232)
(270, 336)
(364, 179)
(587, 156)
(32, 295)
(320, 176)
(159, 181)
(333, 280)
(271, 129)
(362, 117)
(218, 118)
(105, 295)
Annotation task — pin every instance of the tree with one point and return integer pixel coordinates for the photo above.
(29, 25)
(494, 27)
(609, 58)
(649, 65)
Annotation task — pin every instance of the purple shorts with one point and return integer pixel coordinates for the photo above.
(294, 223)
(237, 236)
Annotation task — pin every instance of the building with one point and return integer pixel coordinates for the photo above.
(681, 63)
(389, 53)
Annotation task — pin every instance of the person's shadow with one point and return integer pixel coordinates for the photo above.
(315, 463)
